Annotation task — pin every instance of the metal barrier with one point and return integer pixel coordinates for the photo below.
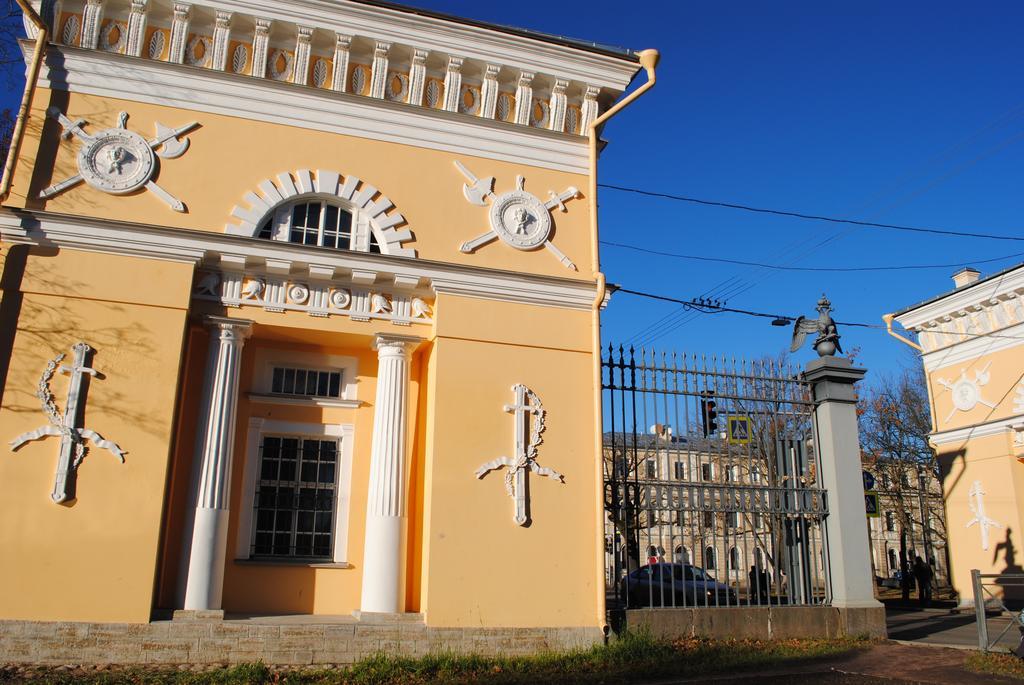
(984, 597)
(712, 496)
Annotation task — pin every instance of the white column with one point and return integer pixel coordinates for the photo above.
(342, 44)
(453, 84)
(221, 40)
(557, 106)
(588, 110)
(137, 27)
(417, 77)
(524, 98)
(212, 472)
(92, 18)
(489, 92)
(385, 506)
(838, 448)
(300, 72)
(379, 70)
(179, 31)
(260, 45)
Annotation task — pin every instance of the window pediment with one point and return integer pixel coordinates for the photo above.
(363, 200)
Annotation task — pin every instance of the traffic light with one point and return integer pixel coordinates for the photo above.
(708, 415)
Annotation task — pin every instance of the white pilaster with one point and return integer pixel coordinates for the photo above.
(342, 45)
(221, 38)
(179, 32)
(557, 106)
(379, 73)
(92, 18)
(588, 110)
(137, 20)
(524, 98)
(303, 37)
(417, 76)
(453, 84)
(838, 447)
(385, 506)
(260, 45)
(489, 92)
(212, 473)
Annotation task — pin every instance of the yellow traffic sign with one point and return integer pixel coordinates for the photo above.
(738, 430)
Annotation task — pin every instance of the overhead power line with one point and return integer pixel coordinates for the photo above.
(779, 267)
(701, 306)
(810, 217)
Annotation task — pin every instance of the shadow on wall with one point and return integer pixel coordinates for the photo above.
(1011, 576)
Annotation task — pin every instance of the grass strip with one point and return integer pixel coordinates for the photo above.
(995, 663)
(630, 658)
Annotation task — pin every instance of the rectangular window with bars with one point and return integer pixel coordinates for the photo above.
(288, 380)
(295, 498)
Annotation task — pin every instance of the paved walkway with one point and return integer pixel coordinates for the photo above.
(942, 627)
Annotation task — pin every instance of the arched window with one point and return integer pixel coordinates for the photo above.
(734, 558)
(709, 558)
(758, 557)
(322, 223)
(682, 555)
(893, 563)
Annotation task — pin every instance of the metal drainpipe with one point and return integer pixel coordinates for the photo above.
(649, 61)
(26, 100)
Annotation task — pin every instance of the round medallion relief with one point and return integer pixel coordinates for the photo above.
(117, 161)
(520, 219)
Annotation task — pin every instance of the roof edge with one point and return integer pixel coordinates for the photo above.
(626, 54)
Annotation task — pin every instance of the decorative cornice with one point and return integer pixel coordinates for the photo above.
(983, 430)
(205, 90)
(217, 251)
(379, 30)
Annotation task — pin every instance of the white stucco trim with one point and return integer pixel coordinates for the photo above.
(266, 358)
(204, 90)
(216, 249)
(440, 35)
(258, 427)
(972, 348)
(982, 430)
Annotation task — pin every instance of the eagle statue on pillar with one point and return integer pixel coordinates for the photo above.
(827, 342)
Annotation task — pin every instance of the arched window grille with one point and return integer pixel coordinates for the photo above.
(320, 223)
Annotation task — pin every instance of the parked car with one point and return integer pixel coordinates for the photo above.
(674, 585)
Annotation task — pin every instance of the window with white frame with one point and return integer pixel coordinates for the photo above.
(706, 471)
(680, 470)
(295, 381)
(297, 492)
(322, 223)
(296, 497)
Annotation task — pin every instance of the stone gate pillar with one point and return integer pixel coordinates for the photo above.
(385, 505)
(838, 447)
(212, 475)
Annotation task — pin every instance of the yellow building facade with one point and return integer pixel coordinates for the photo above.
(971, 347)
(300, 307)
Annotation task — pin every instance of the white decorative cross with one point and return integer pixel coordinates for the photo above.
(976, 501)
(527, 439)
(72, 437)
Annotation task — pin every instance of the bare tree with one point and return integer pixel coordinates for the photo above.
(894, 428)
(11, 29)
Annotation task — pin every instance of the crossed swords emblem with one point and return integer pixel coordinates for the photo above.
(518, 217)
(104, 157)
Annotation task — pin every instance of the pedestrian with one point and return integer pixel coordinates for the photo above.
(923, 576)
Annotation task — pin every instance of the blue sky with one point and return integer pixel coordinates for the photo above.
(904, 113)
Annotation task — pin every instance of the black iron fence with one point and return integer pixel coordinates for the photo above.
(711, 489)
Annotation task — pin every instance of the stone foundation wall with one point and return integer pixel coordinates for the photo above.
(232, 642)
(762, 623)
